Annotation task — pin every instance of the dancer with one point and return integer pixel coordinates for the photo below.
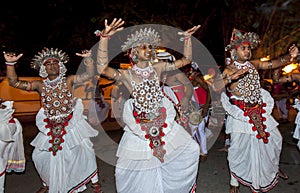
(202, 98)
(63, 155)
(178, 88)
(155, 153)
(256, 142)
(12, 156)
(296, 134)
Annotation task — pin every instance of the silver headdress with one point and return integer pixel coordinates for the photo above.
(237, 38)
(46, 54)
(143, 36)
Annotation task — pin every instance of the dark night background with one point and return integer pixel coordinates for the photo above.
(28, 26)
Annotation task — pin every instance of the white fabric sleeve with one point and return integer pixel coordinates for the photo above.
(170, 116)
(232, 110)
(130, 122)
(268, 99)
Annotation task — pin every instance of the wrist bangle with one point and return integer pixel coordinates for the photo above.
(10, 63)
(228, 78)
(104, 36)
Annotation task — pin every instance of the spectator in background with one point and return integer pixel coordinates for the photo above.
(281, 95)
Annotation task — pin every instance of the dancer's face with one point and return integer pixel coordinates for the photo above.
(52, 67)
(145, 51)
(244, 52)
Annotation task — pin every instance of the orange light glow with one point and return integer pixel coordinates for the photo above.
(289, 68)
(267, 58)
(160, 50)
(207, 77)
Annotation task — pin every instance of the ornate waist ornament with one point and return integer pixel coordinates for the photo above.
(255, 113)
(154, 132)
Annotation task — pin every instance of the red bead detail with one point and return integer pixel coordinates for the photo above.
(165, 125)
(264, 127)
(63, 132)
(135, 113)
(265, 140)
(154, 153)
(245, 114)
(50, 141)
(151, 145)
(49, 133)
(250, 121)
(263, 111)
(70, 116)
(242, 106)
(147, 136)
(54, 153)
(50, 149)
(143, 128)
(185, 124)
(163, 143)
(46, 120)
(264, 104)
(254, 128)
(264, 119)
(164, 151)
(258, 136)
(47, 126)
(164, 116)
(268, 134)
(66, 123)
(162, 134)
(60, 147)
(12, 120)
(163, 109)
(62, 140)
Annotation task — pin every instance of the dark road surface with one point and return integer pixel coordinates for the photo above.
(213, 173)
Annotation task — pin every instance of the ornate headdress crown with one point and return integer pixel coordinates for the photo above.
(46, 54)
(143, 36)
(238, 38)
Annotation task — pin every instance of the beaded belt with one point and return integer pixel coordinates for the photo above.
(154, 132)
(255, 113)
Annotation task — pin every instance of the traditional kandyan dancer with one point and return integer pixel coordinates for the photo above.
(155, 153)
(63, 156)
(296, 134)
(256, 142)
(12, 156)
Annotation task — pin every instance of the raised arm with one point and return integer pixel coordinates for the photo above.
(89, 68)
(279, 62)
(187, 47)
(102, 55)
(10, 60)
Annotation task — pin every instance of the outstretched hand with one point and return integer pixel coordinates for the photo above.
(293, 50)
(113, 27)
(11, 56)
(85, 53)
(190, 31)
